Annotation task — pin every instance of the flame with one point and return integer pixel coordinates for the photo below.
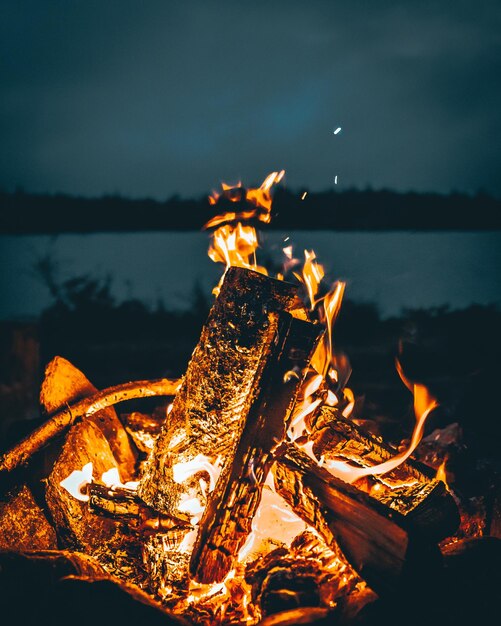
(311, 275)
(329, 310)
(442, 474)
(77, 481)
(233, 242)
(260, 198)
(273, 518)
(424, 403)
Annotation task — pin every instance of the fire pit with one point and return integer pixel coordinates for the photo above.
(251, 495)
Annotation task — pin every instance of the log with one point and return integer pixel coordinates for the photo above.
(376, 540)
(308, 574)
(59, 423)
(410, 489)
(76, 527)
(209, 412)
(65, 384)
(85, 442)
(221, 382)
(124, 505)
(227, 518)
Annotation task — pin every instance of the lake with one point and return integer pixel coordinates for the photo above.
(395, 270)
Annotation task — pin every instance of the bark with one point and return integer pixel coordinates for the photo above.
(373, 537)
(409, 489)
(227, 519)
(23, 524)
(221, 383)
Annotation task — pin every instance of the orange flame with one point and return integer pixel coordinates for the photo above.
(260, 198)
(235, 245)
(442, 474)
(424, 403)
(311, 276)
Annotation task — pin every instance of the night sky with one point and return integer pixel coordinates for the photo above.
(154, 98)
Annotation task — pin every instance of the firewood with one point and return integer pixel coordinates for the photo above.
(227, 519)
(409, 489)
(210, 410)
(64, 384)
(23, 524)
(76, 526)
(58, 423)
(124, 505)
(376, 539)
(221, 382)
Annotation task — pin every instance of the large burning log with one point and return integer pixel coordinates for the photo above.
(227, 519)
(222, 383)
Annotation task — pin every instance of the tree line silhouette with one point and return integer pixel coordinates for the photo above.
(28, 213)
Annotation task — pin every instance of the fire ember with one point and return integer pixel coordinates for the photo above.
(256, 497)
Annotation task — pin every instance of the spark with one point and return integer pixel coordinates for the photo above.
(338, 130)
(304, 195)
(335, 180)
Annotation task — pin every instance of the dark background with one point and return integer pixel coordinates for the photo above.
(159, 97)
(119, 101)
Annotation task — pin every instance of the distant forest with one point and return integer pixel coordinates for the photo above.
(26, 213)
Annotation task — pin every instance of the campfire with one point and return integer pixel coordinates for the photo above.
(250, 495)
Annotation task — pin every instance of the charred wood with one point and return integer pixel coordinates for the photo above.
(221, 382)
(374, 538)
(227, 518)
(409, 489)
(124, 505)
(60, 587)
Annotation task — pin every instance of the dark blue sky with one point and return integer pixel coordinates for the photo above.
(152, 98)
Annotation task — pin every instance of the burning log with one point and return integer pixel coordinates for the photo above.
(408, 489)
(85, 443)
(124, 505)
(221, 382)
(22, 452)
(227, 519)
(64, 384)
(214, 403)
(377, 540)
